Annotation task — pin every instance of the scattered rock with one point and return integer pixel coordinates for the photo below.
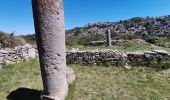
(166, 72)
(74, 49)
(18, 54)
(161, 51)
(127, 67)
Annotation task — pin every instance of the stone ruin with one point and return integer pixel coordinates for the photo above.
(108, 38)
(17, 54)
(91, 57)
(119, 41)
(118, 58)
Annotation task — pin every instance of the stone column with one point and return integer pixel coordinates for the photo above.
(108, 38)
(50, 36)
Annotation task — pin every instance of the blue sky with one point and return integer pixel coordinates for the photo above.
(16, 15)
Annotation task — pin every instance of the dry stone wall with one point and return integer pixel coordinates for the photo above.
(93, 57)
(119, 58)
(113, 42)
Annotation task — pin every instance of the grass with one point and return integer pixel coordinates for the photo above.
(124, 47)
(12, 77)
(160, 48)
(113, 83)
(92, 82)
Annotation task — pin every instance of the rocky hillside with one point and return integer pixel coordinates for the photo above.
(137, 25)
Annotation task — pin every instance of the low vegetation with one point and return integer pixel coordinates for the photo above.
(130, 47)
(9, 40)
(22, 75)
(30, 38)
(92, 83)
(158, 40)
(113, 83)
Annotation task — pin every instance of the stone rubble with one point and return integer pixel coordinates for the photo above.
(18, 54)
(119, 41)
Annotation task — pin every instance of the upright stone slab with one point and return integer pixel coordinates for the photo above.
(50, 36)
(108, 38)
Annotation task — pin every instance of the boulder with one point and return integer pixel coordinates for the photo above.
(70, 75)
(161, 51)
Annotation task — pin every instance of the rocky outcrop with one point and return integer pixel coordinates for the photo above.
(137, 25)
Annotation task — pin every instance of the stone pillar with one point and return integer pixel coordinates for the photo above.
(50, 36)
(108, 38)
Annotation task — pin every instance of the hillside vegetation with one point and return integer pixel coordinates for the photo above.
(137, 25)
(155, 30)
(9, 40)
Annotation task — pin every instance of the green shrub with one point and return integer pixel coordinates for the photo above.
(90, 37)
(19, 41)
(84, 40)
(152, 39)
(9, 40)
(125, 36)
(71, 42)
(29, 38)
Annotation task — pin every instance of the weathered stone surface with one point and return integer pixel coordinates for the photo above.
(50, 35)
(3, 52)
(127, 67)
(108, 38)
(70, 74)
(161, 51)
(118, 58)
(113, 42)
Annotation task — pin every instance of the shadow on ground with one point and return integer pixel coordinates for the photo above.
(24, 94)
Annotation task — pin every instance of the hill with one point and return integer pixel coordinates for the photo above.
(137, 25)
(155, 30)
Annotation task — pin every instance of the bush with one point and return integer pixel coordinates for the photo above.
(84, 40)
(125, 36)
(152, 39)
(71, 42)
(90, 37)
(30, 38)
(9, 40)
(19, 41)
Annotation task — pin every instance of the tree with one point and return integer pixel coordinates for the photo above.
(50, 37)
